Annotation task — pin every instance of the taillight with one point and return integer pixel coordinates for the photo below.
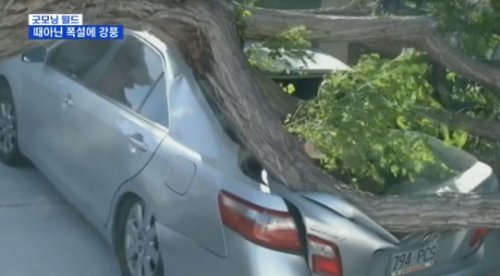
(325, 257)
(478, 236)
(269, 228)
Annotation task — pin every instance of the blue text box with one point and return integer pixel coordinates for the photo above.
(82, 32)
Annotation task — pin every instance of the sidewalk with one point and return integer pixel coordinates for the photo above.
(41, 234)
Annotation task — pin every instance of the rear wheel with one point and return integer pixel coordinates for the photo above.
(9, 149)
(137, 242)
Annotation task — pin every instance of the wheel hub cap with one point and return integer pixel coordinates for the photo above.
(141, 242)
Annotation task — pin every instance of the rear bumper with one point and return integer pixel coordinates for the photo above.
(182, 256)
(484, 261)
(488, 258)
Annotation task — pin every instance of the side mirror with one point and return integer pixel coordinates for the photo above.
(37, 54)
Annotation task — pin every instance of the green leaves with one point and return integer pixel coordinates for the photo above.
(471, 26)
(288, 89)
(276, 54)
(364, 121)
(361, 118)
(460, 138)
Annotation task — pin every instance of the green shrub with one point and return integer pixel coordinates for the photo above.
(360, 118)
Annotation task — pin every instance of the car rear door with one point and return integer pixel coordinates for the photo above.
(110, 142)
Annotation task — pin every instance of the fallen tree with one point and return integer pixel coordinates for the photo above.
(254, 106)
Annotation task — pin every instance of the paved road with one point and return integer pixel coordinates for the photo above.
(40, 234)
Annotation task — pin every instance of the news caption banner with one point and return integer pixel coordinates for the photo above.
(69, 26)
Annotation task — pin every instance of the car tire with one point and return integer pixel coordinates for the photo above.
(9, 149)
(137, 245)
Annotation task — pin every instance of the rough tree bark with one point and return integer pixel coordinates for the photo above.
(205, 31)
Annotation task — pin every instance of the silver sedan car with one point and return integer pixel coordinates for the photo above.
(123, 131)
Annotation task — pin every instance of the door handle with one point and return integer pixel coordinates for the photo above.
(68, 101)
(136, 142)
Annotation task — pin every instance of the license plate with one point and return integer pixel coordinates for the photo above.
(414, 260)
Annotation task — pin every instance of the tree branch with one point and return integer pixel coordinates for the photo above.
(353, 8)
(266, 23)
(477, 127)
(418, 31)
(206, 34)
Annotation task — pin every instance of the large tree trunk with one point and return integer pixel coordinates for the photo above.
(254, 106)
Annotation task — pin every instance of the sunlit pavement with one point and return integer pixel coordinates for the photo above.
(41, 234)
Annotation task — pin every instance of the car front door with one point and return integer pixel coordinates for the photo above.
(47, 87)
(109, 142)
